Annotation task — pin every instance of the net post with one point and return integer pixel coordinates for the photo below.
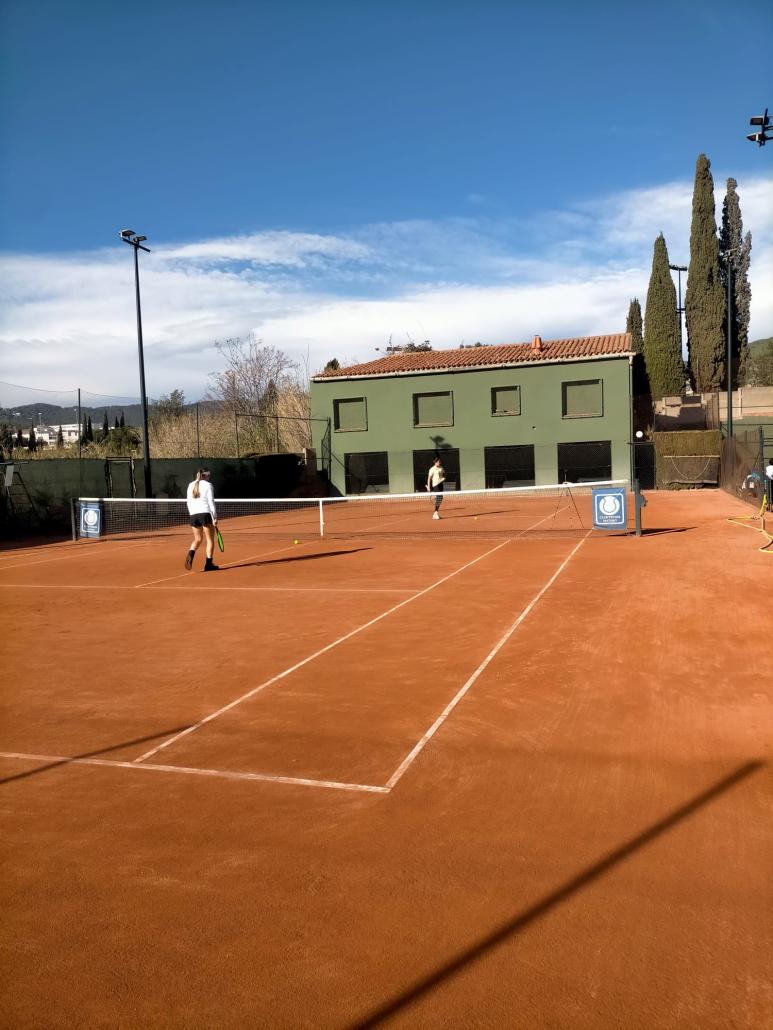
(639, 502)
(72, 518)
(321, 519)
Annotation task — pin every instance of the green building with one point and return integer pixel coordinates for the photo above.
(547, 412)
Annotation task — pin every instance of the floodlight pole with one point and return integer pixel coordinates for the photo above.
(730, 343)
(135, 241)
(679, 309)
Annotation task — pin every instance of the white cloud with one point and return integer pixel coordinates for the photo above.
(69, 319)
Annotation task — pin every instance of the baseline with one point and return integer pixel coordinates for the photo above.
(190, 771)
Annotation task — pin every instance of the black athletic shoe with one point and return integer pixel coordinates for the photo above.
(209, 567)
(189, 560)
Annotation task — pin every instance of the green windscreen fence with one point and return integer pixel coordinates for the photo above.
(506, 400)
(350, 414)
(433, 409)
(583, 397)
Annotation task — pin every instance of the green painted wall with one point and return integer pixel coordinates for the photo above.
(391, 429)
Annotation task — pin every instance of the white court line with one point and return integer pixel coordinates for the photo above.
(81, 552)
(227, 590)
(228, 565)
(311, 657)
(416, 751)
(186, 771)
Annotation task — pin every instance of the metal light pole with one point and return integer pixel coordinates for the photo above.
(680, 310)
(764, 132)
(730, 343)
(135, 241)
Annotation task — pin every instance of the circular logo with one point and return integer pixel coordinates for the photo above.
(91, 517)
(609, 504)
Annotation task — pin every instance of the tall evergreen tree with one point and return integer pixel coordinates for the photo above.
(633, 325)
(735, 257)
(32, 440)
(116, 423)
(89, 431)
(19, 438)
(60, 438)
(105, 427)
(704, 301)
(123, 423)
(662, 351)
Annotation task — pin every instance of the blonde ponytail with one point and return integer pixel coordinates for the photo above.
(199, 474)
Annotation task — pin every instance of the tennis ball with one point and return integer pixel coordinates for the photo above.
(296, 541)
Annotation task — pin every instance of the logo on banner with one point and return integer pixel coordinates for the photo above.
(91, 520)
(609, 509)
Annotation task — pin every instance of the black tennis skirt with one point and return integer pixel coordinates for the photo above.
(202, 518)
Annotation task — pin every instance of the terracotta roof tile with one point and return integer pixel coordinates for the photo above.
(496, 355)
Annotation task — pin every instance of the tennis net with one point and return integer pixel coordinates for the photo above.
(509, 511)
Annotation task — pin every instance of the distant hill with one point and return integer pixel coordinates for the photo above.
(759, 344)
(55, 415)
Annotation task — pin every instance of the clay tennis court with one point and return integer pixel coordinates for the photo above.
(476, 779)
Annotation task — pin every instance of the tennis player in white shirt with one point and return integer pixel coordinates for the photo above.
(435, 479)
(201, 508)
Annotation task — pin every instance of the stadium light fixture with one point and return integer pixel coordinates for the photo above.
(764, 130)
(135, 241)
(679, 309)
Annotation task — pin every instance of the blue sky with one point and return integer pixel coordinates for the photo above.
(328, 174)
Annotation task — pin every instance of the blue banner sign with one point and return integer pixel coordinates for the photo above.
(91, 518)
(609, 508)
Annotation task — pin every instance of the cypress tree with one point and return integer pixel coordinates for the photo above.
(32, 440)
(122, 421)
(662, 352)
(704, 301)
(633, 325)
(60, 438)
(105, 428)
(19, 438)
(89, 431)
(735, 256)
(116, 423)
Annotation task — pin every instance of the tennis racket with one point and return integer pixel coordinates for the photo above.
(219, 539)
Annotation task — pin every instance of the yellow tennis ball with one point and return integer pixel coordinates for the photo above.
(296, 541)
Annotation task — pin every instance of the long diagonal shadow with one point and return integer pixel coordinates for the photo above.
(91, 754)
(551, 901)
(294, 557)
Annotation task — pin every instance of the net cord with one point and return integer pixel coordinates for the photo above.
(504, 491)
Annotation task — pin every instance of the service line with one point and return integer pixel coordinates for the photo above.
(310, 658)
(411, 757)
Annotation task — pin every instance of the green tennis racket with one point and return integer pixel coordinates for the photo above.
(219, 539)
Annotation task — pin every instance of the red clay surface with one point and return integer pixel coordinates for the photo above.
(465, 781)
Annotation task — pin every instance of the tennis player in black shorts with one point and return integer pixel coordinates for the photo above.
(201, 508)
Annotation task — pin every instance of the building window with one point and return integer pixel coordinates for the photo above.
(367, 473)
(506, 400)
(422, 460)
(350, 415)
(433, 409)
(582, 399)
(584, 462)
(509, 466)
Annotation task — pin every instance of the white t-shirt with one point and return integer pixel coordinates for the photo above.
(436, 476)
(205, 502)
(769, 470)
